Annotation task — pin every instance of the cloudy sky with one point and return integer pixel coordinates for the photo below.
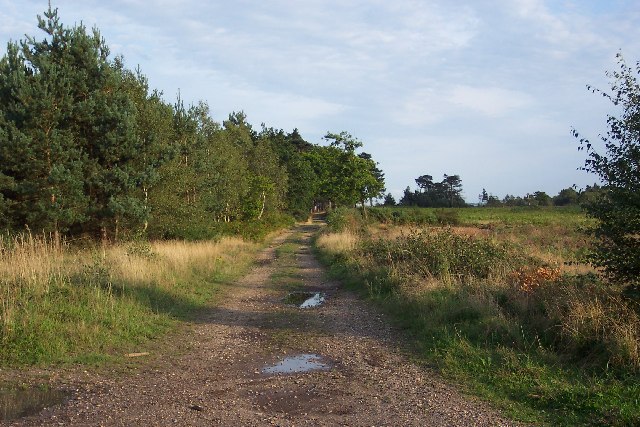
(487, 89)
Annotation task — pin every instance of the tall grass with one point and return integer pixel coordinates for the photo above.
(497, 309)
(61, 304)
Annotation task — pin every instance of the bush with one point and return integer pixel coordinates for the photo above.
(444, 255)
(403, 216)
(343, 219)
(447, 217)
(618, 167)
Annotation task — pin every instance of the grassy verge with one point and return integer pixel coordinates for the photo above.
(497, 310)
(65, 305)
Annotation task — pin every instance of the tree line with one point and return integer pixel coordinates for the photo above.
(87, 147)
(566, 197)
(448, 194)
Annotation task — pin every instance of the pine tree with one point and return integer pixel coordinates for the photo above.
(39, 152)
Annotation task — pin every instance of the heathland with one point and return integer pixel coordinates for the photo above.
(501, 301)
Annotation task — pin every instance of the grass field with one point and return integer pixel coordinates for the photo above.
(500, 301)
(62, 304)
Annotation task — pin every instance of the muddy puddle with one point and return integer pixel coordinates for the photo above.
(305, 299)
(18, 403)
(300, 363)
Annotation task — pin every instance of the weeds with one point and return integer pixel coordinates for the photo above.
(504, 306)
(60, 304)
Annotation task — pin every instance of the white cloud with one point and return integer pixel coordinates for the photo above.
(278, 108)
(420, 81)
(429, 106)
(565, 29)
(489, 101)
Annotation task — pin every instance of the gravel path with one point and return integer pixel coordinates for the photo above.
(213, 375)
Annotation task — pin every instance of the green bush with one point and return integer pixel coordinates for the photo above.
(341, 219)
(444, 255)
(447, 217)
(402, 216)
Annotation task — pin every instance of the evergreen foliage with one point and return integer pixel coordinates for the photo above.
(444, 194)
(86, 147)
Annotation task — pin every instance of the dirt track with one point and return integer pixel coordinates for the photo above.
(215, 377)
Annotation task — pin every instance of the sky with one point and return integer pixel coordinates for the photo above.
(486, 89)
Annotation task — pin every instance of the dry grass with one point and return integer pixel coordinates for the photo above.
(32, 261)
(579, 315)
(338, 243)
(57, 300)
(547, 337)
(593, 320)
(163, 262)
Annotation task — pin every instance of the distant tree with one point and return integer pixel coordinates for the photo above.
(493, 201)
(566, 196)
(409, 198)
(346, 178)
(267, 181)
(425, 183)
(542, 198)
(483, 197)
(374, 188)
(453, 190)
(510, 200)
(298, 142)
(617, 209)
(447, 193)
(389, 200)
(590, 193)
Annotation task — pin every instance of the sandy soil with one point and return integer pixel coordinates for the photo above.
(213, 373)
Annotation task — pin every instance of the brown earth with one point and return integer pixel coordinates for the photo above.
(212, 373)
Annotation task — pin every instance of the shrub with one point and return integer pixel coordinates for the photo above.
(341, 219)
(443, 254)
(447, 217)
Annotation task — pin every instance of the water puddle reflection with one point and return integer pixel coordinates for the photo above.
(18, 403)
(305, 299)
(298, 364)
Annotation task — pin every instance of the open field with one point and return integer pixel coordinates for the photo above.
(61, 304)
(499, 300)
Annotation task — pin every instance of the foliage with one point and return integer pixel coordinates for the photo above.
(345, 219)
(68, 132)
(447, 193)
(444, 255)
(402, 215)
(344, 177)
(618, 167)
(63, 305)
(87, 148)
(494, 306)
(566, 196)
(389, 200)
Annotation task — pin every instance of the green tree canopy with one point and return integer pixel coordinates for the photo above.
(617, 165)
(344, 177)
(446, 193)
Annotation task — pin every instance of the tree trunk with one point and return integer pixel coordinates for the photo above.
(105, 240)
(264, 199)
